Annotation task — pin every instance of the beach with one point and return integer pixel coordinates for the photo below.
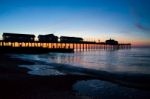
(17, 83)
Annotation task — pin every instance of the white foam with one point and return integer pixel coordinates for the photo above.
(42, 70)
(107, 89)
(46, 72)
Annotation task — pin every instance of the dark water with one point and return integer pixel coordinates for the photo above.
(131, 61)
(135, 61)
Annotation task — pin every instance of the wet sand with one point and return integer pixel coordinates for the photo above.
(15, 83)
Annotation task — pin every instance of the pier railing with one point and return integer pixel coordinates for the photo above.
(77, 46)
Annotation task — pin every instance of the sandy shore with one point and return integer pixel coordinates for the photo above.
(15, 83)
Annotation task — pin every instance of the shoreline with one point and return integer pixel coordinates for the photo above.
(16, 83)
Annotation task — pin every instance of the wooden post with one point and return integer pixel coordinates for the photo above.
(73, 45)
(65, 45)
(80, 47)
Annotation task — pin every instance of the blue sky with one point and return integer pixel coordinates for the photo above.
(124, 20)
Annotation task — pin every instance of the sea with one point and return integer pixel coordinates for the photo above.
(134, 62)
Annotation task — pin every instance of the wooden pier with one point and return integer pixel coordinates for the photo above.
(61, 46)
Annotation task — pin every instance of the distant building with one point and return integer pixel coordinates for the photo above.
(48, 38)
(15, 37)
(111, 42)
(70, 39)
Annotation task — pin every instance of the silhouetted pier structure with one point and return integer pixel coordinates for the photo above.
(82, 46)
(50, 43)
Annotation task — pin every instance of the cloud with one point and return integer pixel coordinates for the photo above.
(142, 27)
(141, 14)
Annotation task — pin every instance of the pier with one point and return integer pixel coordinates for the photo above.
(59, 46)
(18, 43)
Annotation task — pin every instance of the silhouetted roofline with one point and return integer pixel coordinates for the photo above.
(47, 35)
(17, 34)
(71, 37)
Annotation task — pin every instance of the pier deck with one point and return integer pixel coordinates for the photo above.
(36, 46)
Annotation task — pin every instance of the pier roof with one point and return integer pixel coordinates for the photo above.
(18, 34)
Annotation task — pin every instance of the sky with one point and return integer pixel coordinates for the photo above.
(127, 21)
